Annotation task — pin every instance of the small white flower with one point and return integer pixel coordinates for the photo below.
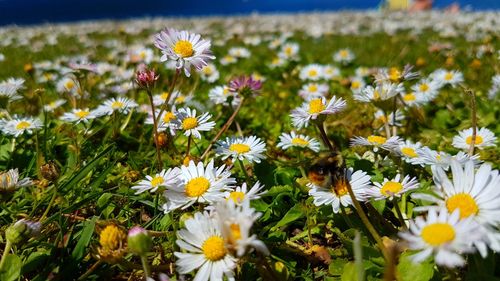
(120, 105)
(409, 150)
(428, 89)
(241, 148)
(343, 56)
(191, 124)
(314, 90)
(310, 110)
(297, 140)
(50, 107)
(390, 144)
(209, 73)
(312, 72)
(78, 115)
(484, 138)
(240, 194)
(448, 77)
(239, 52)
(164, 179)
(9, 181)
(380, 92)
(389, 189)
(221, 94)
(18, 126)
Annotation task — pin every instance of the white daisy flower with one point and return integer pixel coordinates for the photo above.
(250, 148)
(362, 71)
(167, 120)
(228, 59)
(312, 72)
(9, 181)
(357, 84)
(380, 92)
(239, 52)
(390, 144)
(50, 107)
(409, 150)
(68, 84)
(427, 88)
(389, 189)
(277, 62)
(330, 72)
(187, 49)
(343, 56)
(209, 73)
(164, 179)
(380, 116)
(9, 91)
(240, 194)
(120, 105)
(442, 235)
(191, 124)
(440, 159)
(221, 95)
(297, 140)
(198, 184)
(204, 249)
(413, 99)
(235, 222)
(314, 90)
(311, 110)
(19, 126)
(448, 77)
(336, 192)
(484, 138)
(289, 51)
(78, 115)
(159, 100)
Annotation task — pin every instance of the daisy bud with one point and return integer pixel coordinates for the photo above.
(245, 86)
(22, 230)
(146, 78)
(162, 139)
(139, 242)
(50, 171)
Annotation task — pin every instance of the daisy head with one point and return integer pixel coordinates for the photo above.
(204, 249)
(312, 109)
(381, 92)
(427, 88)
(241, 193)
(313, 90)
(9, 181)
(242, 148)
(448, 77)
(191, 124)
(396, 187)
(409, 150)
(185, 48)
(377, 142)
(245, 85)
(120, 105)
(443, 236)
(293, 139)
(164, 179)
(484, 138)
(78, 115)
(343, 56)
(222, 95)
(51, 106)
(312, 72)
(19, 126)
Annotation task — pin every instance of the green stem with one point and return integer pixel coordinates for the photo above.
(242, 166)
(89, 271)
(155, 130)
(6, 251)
(51, 202)
(324, 137)
(145, 266)
(398, 212)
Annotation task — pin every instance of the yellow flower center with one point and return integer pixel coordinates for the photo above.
(189, 123)
(340, 188)
(117, 104)
(344, 54)
(207, 70)
(423, 87)
(438, 233)
(382, 118)
(479, 140)
(142, 54)
(288, 51)
(156, 181)
(464, 202)
(316, 106)
(313, 88)
(409, 152)
(355, 84)
(409, 97)
(312, 73)
(183, 48)
(164, 95)
(111, 237)
(376, 140)
(180, 99)
(197, 186)
(300, 142)
(237, 196)
(239, 148)
(394, 74)
(448, 76)
(23, 125)
(69, 84)
(376, 95)
(82, 114)
(214, 249)
(169, 116)
(235, 233)
(390, 188)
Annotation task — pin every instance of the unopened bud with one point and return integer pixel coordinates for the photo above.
(50, 171)
(146, 78)
(22, 230)
(139, 242)
(162, 139)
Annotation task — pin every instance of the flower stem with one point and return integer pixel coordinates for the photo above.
(6, 251)
(398, 212)
(145, 266)
(90, 270)
(155, 130)
(222, 130)
(324, 137)
(242, 166)
(170, 90)
(51, 202)
(188, 150)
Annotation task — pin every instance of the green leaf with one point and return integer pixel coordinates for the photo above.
(11, 268)
(84, 240)
(410, 271)
(293, 214)
(104, 200)
(34, 261)
(349, 273)
(336, 267)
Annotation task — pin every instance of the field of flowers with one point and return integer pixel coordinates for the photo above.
(341, 146)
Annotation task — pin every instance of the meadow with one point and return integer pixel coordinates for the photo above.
(318, 146)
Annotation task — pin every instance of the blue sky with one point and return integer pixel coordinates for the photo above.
(38, 11)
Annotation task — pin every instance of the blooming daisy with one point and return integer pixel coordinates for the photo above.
(239, 52)
(121, 105)
(297, 140)
(240, 194)
(312, 72)
(228, 59)
(187, 49)
(160, 99)
(78, 115)
(313, 90)
(221, 95)
(209, 73)
(336, 192)
(166, 179)
(357, 84)
(68, 84)
(413, 99)
(289, 51)
(427, 88)
(395, 75)
(381, 92)
(343, 56)
(409, 150)
(191, 124)
(448, 77)
(241, 148)
(204, 249)
(330, 72)
(383, 118)
(311, 110)
(18, 126)
(389, 189)
(50, 107)
(427, 156)
(9, 181)
(484, 138)
(198, 184)
(443, 235)
(377, 141)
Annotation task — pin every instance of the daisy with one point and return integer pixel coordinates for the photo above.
(161, 99)
(68, 84)
(9, 181)
(440, 159)
(409, 150)
(484, 138)
(120, 105)
(204, 249)
(191, 124)
(442, 235)
(198, 183)
(297, 140)
(9, 91)
(167, 120)
(377, 142)
(240, 194)
(448, 77)
(380, 92)
(239, 52)
(312, 72)
(396, 187)
(394, 75)
(336, 192)
(228, 59)
(78, 115)
(241, 148)
(221, 95)
(313, 90)
(164, 179)
(357, 84)
(187, 49)
(18, 126)
(209, 73)
(330, 72)
(50, 107)
(428, 89)
(311, 110)
(383, 118)
(413, 99)
(235, 221)
(362, 71)
(289, 51)
(277, 62)
(343, 56)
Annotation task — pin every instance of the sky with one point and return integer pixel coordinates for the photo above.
(41, 11)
